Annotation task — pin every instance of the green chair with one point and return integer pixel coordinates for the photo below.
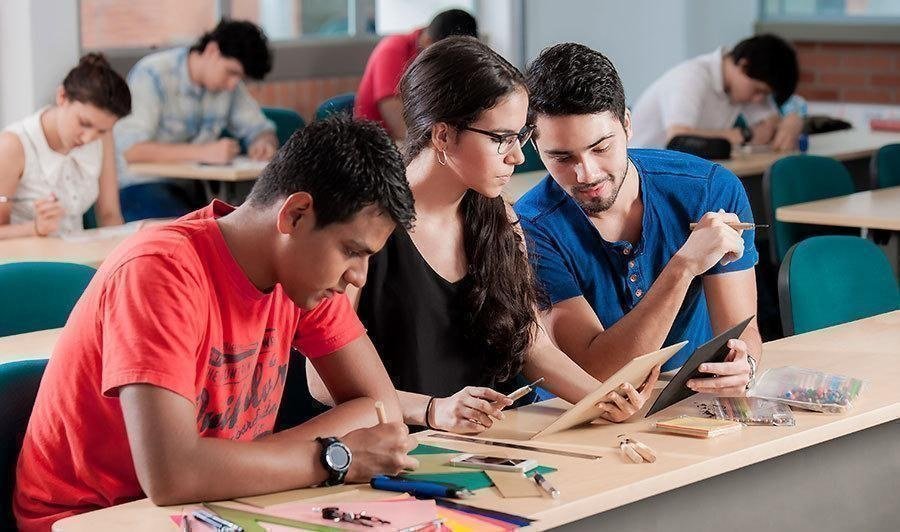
(532, 162)
(286, 122)
(798, 179)
(39, 295)
(828, 280)
(19, 383)
(342, 103)
(885, 167)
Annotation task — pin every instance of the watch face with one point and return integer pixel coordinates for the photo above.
(338, 457)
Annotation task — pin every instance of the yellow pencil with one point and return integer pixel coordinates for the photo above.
(742, 226)
(379, 409)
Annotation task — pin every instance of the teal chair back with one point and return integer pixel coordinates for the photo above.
(19, 382)
(828, 280)
(886, 167)
(286, 122)
(39, 295)
(798, 179)
(342, 103)
(532, 160)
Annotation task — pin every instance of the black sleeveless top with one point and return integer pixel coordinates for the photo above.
(417, 321)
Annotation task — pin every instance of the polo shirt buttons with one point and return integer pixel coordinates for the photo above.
(632, 278)
(631, 264)
(638, 292)
(626, 251)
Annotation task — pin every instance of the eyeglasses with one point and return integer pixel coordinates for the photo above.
(506, 141)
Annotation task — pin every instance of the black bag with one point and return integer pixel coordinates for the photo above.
(711, 148)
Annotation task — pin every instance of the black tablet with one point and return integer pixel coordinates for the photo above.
(714, 350)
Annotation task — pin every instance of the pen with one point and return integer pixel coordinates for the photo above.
(545, 485)
(523, 391)
(13, 199)
(418, 488)
(742, 226)
(379, 409)
(216, 522)
(185, 523)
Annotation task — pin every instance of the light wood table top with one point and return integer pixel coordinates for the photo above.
(28, 346)
(867, 349)
(843, 145)
(91, 248)
(870, 209)
(241, 169)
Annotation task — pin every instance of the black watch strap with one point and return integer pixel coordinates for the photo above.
(335, 475)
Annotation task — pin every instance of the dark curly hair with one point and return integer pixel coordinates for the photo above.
(572, 79)
(453, 81)
(241, 40)
(345, 165)
(93, 81)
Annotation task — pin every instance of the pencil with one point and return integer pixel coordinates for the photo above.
(13, 199)
(379, 409)
(742, 226)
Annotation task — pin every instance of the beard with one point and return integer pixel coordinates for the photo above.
(598, 205)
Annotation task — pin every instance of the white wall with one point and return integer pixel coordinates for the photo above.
(401, 16)
(643, 38)
(38, 46)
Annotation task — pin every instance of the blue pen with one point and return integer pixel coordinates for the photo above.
(418, 488)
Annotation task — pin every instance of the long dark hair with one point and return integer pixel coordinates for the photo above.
(454, 81)
(93, 81)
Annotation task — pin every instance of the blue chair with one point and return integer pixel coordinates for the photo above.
(19, 382)
(798, 179)
(286, 122)
(828, 280)
(885, 167)
(342, 103)
(39, 295)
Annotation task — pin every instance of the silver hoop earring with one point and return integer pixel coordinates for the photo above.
(444, 162)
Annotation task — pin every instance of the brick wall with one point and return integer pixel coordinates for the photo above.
(847, 72)
(304, 96)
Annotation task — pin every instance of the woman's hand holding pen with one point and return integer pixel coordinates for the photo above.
(712, 241)
(468, 411)
(47, 214)
(625, 401)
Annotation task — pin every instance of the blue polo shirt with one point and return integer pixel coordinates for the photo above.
(571, 259)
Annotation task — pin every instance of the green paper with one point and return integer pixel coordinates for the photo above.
(472, 480)
(431, 449)
(249, 521)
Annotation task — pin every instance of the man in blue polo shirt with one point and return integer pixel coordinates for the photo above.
(608, 232)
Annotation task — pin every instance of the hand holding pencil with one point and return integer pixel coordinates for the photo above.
(712, 240)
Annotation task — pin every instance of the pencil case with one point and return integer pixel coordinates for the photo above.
(748, 410)
(808, 389)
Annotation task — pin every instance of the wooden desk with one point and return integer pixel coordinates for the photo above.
(636, 497)
(28, 346)
(241, 170)
(845, 145)
(56, 249)
(870, 209)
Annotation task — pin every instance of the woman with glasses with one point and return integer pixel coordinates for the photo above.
(450, 305)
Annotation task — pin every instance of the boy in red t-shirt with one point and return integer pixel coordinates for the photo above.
(167, 378)
(377, 98)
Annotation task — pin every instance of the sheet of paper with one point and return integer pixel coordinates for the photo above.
(512, 484)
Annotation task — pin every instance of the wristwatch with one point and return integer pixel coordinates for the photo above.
(336, 458)
(753, 365)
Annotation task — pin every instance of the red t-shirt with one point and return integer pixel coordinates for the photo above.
(383, 71)
(169, 307)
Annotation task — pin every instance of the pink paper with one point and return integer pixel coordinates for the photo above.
(401, 514)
